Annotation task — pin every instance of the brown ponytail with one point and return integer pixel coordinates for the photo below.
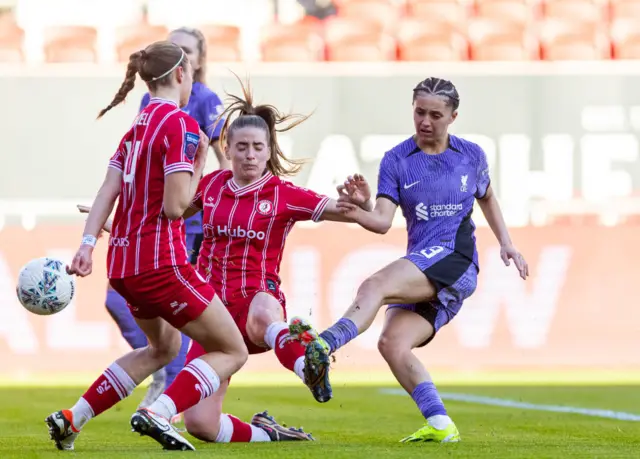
(127, 85)
(154, 64)
(266, 117)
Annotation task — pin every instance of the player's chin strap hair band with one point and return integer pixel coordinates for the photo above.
(168, 72)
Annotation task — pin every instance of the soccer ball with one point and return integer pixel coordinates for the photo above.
(44, 287)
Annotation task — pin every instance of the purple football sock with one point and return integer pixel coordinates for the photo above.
(429, 402)
(340, 333)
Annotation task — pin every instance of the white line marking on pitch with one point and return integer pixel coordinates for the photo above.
(470, 398)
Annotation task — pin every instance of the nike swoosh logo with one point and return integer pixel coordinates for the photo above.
(406, 187)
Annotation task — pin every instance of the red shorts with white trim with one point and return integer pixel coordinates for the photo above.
(178, 294)
(239, 310)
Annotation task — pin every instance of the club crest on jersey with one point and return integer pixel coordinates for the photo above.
(463, 183)
(265, 207)
(191, 142)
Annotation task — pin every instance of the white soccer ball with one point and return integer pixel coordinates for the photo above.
(44, 287)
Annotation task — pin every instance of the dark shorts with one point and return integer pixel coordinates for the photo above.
(454, 277)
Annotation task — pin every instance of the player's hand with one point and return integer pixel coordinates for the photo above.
(349, 209)
(201, 154)
(355, 189)
(82, 263)
(509, 252)
(84, 209)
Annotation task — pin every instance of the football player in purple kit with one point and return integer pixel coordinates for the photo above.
(435, 178)
(205, 106)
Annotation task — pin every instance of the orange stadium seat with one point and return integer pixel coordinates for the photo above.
(299, 42)
(493, 39)
(384, 12)
(625, 9)
(625, 34)
(290, 50)
(363, 48)
(507, 10)
(442, 10)
(437, 49)
(70, 44)
(628, 49)
(220, 34)
(223, 52)
(422, 40)
(337, 29)
(568, 48)
(11, 42)
(569, 40)
(504, 48)
(130, 39)
(575, 10)
(412, 29)
(223, 42)
(310, 31)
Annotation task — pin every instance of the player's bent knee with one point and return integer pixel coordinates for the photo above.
(241, 356)
(205, 429)
(260, 319)
(371, 285)
(392, 348)
(167, 351)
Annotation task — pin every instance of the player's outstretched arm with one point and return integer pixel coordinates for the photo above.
(492, 212)
(82, 263)
(333, 213)
(378, 220)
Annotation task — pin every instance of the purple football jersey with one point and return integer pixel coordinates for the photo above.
(436, 194)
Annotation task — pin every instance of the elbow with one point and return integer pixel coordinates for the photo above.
(173, 210)
(173, 214)
(379, 228)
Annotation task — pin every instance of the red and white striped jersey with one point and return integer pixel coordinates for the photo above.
(162, 140)
(245, 230)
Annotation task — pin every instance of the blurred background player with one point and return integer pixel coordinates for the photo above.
(204, 106)
(154, 175)
(435, 178)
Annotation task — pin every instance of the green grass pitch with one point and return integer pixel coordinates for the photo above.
(360, 421)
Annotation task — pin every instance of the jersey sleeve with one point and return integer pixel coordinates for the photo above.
(117, 160)
(388, 179)
(304, 204)
(119, 157)
(145, 101)
(181, 139)
(212, 108)
(483, 178)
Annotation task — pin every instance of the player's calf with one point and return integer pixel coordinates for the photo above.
(289, 350)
